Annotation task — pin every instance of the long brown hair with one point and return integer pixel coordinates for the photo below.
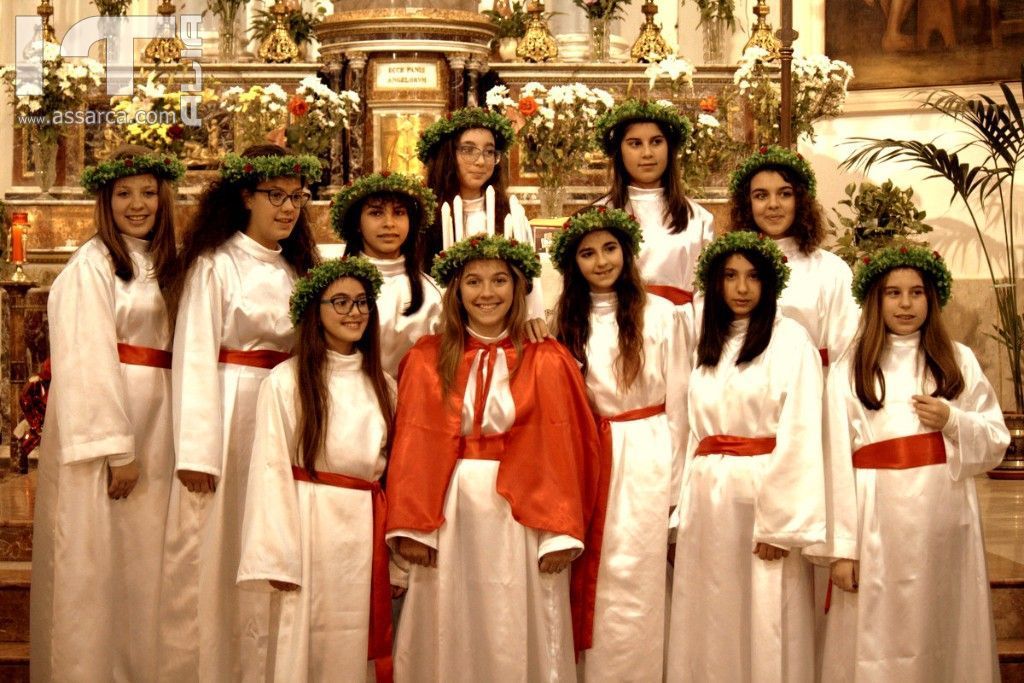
(678, 210)
(443, 179)
(808, 226)
(221, 213)
(161, 238)
(572, 314)
(454, 321)
(939, 354)
(311, 370)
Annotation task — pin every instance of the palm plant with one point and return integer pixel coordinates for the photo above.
(996, 130)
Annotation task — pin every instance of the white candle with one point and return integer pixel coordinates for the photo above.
(457, 211)
(447, 238)
(489, 208)
(510, 228)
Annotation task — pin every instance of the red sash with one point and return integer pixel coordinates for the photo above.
(902, 453)
(721, 444)
(673, 294)
(824, 357)
(380, 583)
(143, 355)
(261, 358)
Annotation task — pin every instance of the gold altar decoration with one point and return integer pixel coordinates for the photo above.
(278, 47)
(538, 45)
(650, 46)
(45, 10)
(761, 35)
(166, 49)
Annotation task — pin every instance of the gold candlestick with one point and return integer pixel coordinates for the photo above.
(538, 45)
(761, 35)
(167, 49)
(45, 10)
(278, 47)
(650, 46)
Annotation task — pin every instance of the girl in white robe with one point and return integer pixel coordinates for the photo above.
(753, 484)
(636, 377)
(905, 442)
(106, 459)
(384, 216)
(314, 507)
(240, 259)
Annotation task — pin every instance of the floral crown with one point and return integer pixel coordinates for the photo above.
(95, 177)
(309, 288)
(928, 263)
(600, 218)
(239, 169)
(742, 240)
(511, 251)
(464, 119)
(677, 128)
(382, 183)
(773, 156)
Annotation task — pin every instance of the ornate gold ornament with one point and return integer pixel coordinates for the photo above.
(167, 49)
(650, 46)
(278, 47)
(762, 35)
(538, 45)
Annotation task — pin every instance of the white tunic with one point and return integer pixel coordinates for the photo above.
(923, 611)
(235, 298)
(316, 536)
(736, 617)
(486, 613)
(398, 332)
(96, 561)
(647, 461)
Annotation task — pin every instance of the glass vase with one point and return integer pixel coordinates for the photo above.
(600, 38)
(44, 163)
(552, 200)
(231, 36)
(714, 32)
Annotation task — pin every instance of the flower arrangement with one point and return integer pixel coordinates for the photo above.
(112, 8)
(555, 125)
(907, 256)
(301, 26)
(676, 70)
(512, 24)
(153, 117)
(309, 288)
(717, 10)
(742, 240)
(316, 113)
(881, 215)
(601, 9)
(256, 111)
(514, 252)
(819, 89)
(709, 150)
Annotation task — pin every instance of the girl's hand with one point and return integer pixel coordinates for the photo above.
(198, 482)
(556, 562)
(770, 553)
(933, 412)
(537, 330)
(284, 586)
(121, 479)
(845, 574)
(416, 552)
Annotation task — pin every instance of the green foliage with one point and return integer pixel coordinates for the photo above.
(875, 216)
(112, 8)
(300, 25)
(717, 10)
(512, 25)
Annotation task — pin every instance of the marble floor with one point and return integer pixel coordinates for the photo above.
(1002, 513)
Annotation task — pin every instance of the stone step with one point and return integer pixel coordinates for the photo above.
(15, 581)
(1011, 659)
(14, 662)
(17, 500)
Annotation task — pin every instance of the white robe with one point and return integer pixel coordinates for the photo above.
(923, 610)
(647, 462)
(235, 298)
(96, 561)
(736, 617)
(316, 536)
(398, 332)
(486, 613)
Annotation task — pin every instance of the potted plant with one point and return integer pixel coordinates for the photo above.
(986, 188)
(301, 26)
(510, 22)
(875, 216)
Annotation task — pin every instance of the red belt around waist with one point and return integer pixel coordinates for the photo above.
(380, 582)
(143, 355)
(261, 358)
(902, 453)
(723, 444)
(486, 447)
(673, 294)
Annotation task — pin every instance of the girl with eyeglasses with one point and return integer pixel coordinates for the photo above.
(314, 509)
(106, 457)
(248, 243)
(384, 217)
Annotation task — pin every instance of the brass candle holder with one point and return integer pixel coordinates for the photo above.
(650, 45)
(166, 49)
(45, 10)
(761, 35)
(538, 45)
(278, 47)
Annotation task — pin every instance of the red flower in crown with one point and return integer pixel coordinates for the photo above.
(785, 259)
(799, 155)
(129, 162)
(602, 209)
(248, 168)
(632, 217)
(297, 168)
(760, 236)
(764, 150)
(903, 250)
(513, 242)
(866, 260)
(565, 225)
(475, 242)
(937, 255)
(345, 257)
(385, 174)
(443, 255)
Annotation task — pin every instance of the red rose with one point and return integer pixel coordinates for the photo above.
(764, 150)
(866, 260)
(297, 168)
(632, 217)
(129, 163)
(527, 106)
(385, 174)
(176, 131)
(443, 255)
(345, 257)
(903, 250)
(785, 259)
(474, 243)
(601, 209)
(565, 225)
(248, 168)
(167, 161)
(297, 106)
(937, 255)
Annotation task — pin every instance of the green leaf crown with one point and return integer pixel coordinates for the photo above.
(565, 241)
(927, 262)
(464, 119)
(308, 289)
(770, 156)
(739, 241)
(169, 168)
(676, 127)
(383, 183)
(239, 169)
(474, 247)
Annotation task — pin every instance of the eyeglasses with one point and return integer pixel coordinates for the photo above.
(277, 197)
(473, 154)
(343, 305)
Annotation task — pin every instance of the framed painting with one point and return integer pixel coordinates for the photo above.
(913, 43)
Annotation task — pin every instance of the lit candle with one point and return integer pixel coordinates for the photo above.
(19, 230)
(489, 208)
(447, 238)
(457, 211)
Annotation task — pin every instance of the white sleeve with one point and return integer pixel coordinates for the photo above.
(842, 315)
(975, 433)
(677, 384)
(551, 543)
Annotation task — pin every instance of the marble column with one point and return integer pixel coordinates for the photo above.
(457, 63)
(473, 71)
(332, 69)
(357, 82)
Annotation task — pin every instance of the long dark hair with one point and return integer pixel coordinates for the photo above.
(718, 316)
(314, 403)
(808, 226)
(443, 179)
(678, 210)
(161, 238)
(939, 355)
(572, 314)
(221, 213)
(411, 247)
